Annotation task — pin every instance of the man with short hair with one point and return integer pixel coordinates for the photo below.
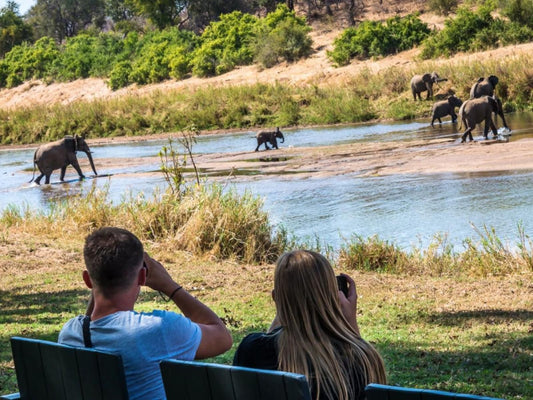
(117, 267)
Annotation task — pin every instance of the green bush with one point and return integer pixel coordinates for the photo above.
(520, 11)
(373, 38)
(224, 44)
(120, 75)
(474, 30)
(282, 36)
(26, 62)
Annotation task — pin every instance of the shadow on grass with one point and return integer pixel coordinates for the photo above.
(22, 306)
(457, 318)
(503, 368)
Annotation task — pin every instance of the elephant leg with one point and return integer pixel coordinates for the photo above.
(275, 144)
(488, 123)
(454, 117)
(76, 166)
(432, 120)
(468, 133)
(494, 129)
(257, 148)
(47, 178)
(62, 176)
(38, 180)
(440, 122)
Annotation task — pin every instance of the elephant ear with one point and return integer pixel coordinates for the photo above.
(70, 143)
(493, 80)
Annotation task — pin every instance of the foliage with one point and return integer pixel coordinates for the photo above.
(282, 35)
(474, 30)
(520, 11)
(162, 13)
(373, 38)
(13, 30)
(443, 7)
(84, 55)
(61, 19)
(26, 62)
(225, 44)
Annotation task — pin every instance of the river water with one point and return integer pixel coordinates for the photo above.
(408, 210)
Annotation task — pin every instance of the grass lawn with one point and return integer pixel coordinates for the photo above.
(458, 333)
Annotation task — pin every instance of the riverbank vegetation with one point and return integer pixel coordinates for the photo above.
(165, 50)
(442, 320)
(365, 96)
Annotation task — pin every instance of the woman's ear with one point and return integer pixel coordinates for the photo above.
(87, 279)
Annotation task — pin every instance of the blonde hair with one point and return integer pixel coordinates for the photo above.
(317, 340)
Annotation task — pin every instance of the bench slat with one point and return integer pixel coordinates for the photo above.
(27, 359)
(187, 382)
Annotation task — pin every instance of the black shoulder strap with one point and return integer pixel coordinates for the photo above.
(87, 331)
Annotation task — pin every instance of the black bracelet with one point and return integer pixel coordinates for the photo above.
(172, 295)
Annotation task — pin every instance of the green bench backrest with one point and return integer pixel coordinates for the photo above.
(51, 371)
(187, 380)
(385, 392)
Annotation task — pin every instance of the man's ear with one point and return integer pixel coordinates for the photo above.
(87, 279)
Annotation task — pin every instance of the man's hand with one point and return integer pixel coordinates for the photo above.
(157, 277)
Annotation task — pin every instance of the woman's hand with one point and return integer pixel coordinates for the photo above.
(349, 303)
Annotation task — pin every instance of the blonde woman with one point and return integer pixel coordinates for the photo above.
(315, 331)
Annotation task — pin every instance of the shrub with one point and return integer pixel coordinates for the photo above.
(443, 7)
(120, 75)
(373, 38)
(289, 41)
(474, 30)
(224, 44)
(520, 11)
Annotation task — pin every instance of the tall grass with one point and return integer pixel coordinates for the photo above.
(486, 256)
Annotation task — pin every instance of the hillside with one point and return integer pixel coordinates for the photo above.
(316, 70)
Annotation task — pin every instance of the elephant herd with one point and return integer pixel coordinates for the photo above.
(477, 109)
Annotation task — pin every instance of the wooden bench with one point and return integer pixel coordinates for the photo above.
(385, 392)
(189, 380)
(51, 371)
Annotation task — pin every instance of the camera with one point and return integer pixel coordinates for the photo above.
(342, 283)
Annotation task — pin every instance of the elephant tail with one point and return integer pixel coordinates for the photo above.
(33, 175)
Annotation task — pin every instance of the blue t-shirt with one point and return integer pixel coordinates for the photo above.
(143, 340)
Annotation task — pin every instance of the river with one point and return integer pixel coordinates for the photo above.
(408, 210)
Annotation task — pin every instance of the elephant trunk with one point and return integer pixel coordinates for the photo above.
(282, 138)
(90, 157)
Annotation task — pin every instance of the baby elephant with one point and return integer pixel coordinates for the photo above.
(446, 107)
(263, 137)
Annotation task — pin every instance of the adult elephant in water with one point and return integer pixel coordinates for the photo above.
(484, 87)
(59, 155)
(265, 137)
(475, 111)
(422, 83)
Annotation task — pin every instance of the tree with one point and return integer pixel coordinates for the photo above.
(60, 19)
(13, 29)
(162, 13)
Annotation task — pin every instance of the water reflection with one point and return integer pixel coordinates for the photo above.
(406, 209)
